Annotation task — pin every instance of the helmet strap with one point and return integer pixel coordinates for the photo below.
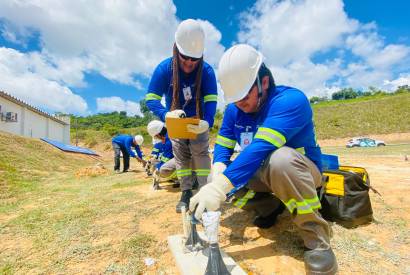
(258, 82)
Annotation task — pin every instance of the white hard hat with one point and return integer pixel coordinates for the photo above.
(138, 139)
(155, 127)
(189, 38)
(238, 69)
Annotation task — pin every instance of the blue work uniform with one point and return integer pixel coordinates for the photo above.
(161, 85)
(157, 150)
(189, 154)
(284, 120)
(166, 153)
(283, 159)
(123, 144)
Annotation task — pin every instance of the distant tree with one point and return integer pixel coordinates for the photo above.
(402, 89)
(345, 93)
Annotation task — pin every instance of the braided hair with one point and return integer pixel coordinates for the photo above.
(175, 84)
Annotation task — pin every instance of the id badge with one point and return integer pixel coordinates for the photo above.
(246, 139)
(187, 93)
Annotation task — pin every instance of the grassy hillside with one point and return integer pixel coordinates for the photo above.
(24, 162)
(379, 114)
(372, 115)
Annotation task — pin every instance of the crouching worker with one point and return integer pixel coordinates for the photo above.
(122, 144)
(283, 157)
(155, 157)
(165, 168)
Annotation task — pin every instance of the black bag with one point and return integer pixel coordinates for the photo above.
(345, 196)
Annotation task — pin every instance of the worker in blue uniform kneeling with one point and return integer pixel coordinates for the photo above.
(282, 157)
(165, 167)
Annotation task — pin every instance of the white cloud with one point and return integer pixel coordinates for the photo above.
(213, 46)
(116, 38)
(115, 103)
(291, 34)
(19, 78)
(288, 31)
(371, 48)
(121, 40)
(403, 79)
(305, 75)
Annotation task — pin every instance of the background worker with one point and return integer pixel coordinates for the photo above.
(189, 86)
(283, 157)
(155, 156)
(165, 167)
(122, 144)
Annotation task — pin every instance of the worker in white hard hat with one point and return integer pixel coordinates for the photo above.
(281, 156)
(165, 167)
(122, 144)
(189, 86)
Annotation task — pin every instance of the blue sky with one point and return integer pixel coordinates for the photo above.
(85, 57)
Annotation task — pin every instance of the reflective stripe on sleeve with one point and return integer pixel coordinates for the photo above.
(271, 136)
(209, 98)
(164, 159)
(301, 150)
(226, 142)
(152, 96)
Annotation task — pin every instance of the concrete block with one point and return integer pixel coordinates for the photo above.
(194, 263)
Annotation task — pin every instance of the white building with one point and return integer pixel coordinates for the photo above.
(19, 118)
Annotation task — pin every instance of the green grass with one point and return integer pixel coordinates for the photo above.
(389, 150)
(363, 116)
(61, 219)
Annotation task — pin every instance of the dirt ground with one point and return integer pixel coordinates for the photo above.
(379, 248)
(119, 221)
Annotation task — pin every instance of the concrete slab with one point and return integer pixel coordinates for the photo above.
(194, 263)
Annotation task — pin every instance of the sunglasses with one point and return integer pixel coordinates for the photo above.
(186, 58)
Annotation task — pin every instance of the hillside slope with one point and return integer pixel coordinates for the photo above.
(377, 115)
(24, 162)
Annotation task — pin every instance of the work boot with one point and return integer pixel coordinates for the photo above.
(176, 184)
(195, 184)
(321, 262)
(184, 201)
(269, 220)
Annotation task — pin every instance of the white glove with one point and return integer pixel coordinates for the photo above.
(217, 168)
(175, 114)
(198, 129)
(210, 196)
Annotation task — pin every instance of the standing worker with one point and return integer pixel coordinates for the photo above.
(283, 156)
(189, 86)
(122, 144)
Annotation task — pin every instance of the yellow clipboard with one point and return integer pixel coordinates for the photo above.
(177, 127)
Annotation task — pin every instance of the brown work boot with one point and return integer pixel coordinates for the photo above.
(321, 262)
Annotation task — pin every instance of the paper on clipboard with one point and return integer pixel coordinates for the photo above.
(177, 127)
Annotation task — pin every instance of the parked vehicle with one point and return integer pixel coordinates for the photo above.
(364, 142)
